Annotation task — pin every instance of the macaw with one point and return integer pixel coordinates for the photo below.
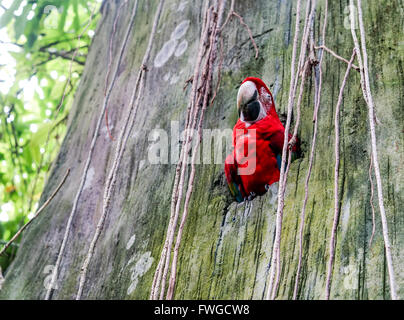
(258, 139)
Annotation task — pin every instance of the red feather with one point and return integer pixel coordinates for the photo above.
(260, 148)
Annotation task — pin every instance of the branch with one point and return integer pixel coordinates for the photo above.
(57, 42)
(12, 43)
(36, 214)
(233, 13)
(41, 161)
(2, 242)
(336, 56)
(63, 55)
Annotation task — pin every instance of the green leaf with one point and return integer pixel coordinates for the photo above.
(62, 19)
(56, 30)
(21, 21)
(33, 26)
(76, 20)
(38, 139)
(9, 14)
(1, 233)
(27, 159)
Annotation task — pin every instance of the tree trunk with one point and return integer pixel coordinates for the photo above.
(226, 247)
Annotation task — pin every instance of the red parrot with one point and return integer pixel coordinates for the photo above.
(258, 138)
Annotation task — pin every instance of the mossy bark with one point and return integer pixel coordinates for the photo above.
(226, 247)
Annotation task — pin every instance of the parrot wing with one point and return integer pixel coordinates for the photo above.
(275, 139)
(233, 179)
(276, 144)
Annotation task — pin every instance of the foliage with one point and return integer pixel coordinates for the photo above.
(41, 38)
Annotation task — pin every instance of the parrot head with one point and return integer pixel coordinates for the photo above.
(254, 100)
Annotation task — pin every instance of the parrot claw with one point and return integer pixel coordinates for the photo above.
(251, 196)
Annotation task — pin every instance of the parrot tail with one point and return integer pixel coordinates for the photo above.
(233, 179)
(235, 192)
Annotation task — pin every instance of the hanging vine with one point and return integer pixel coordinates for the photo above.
(164, 280)
(371, 203)
(212, 28)
(123, 138)
(275, 261)
(365, 84)
(110, 62)
(201, 96)
(198, 103)
(336, 184)
(160, 275)
(311, 158)
(45, 204)
(302, 68)
(89, 157)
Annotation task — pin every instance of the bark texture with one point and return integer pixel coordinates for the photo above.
(226, 248)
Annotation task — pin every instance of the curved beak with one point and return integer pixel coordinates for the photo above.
(249, 107)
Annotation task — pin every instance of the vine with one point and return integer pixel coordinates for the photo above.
(302, 68)
(212, 28)
(123, 138)
(336, 178)
(311, 158)
(275, 261)
(89, 157)
(160, 275)
(363, 65)
(45, 204)
(200, 98)
(110, 64)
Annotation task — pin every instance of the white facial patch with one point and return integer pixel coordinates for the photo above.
(245, 93)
